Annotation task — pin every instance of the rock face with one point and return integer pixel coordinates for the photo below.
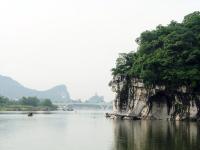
(134, 100)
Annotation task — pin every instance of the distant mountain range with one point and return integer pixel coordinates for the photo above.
(14, 90)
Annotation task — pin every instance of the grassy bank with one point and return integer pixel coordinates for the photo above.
(26, 104)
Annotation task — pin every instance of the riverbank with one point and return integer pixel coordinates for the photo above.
(117, 116)
(26, 104)
(27, 108)
(121, 116)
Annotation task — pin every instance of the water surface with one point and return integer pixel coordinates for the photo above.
(92, 131)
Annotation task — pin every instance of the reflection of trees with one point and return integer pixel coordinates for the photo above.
(155, 135)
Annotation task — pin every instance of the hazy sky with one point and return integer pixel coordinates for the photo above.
(76, 42)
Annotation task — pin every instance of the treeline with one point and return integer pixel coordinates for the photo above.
(26, 103)
(168, 55)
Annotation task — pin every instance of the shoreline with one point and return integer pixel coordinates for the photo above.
(122, 116)
(25, 112)
(128, 117)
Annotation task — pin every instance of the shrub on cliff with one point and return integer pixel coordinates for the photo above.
(168, 55)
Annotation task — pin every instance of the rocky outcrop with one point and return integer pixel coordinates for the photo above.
(14, 90)
(134, 100)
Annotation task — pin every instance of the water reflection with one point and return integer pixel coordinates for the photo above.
(156, 135)
(92, 131)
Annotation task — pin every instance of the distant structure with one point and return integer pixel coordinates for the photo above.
(95, 99)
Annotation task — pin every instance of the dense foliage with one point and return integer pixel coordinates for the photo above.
(168, 55)
(26, 103)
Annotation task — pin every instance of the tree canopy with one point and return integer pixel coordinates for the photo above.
(26, 104)
(30, 101)
(168, 55)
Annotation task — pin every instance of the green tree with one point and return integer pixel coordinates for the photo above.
(168, 55)
(3, 100)
(30, 101)
(47, 102)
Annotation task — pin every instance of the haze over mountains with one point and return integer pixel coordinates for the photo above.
(14, 90)
(95, 99)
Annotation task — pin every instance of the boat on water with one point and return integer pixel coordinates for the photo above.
(30, 114)
(68, 109)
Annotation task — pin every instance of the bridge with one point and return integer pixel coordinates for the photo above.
(102, 106)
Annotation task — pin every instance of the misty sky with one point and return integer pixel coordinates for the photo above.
(76, 42)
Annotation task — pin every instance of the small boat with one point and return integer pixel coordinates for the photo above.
(70, 109)
(30, 114)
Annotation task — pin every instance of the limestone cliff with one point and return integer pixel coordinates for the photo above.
(134, 100)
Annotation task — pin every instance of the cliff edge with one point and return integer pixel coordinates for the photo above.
(161, 79)
(133, 100)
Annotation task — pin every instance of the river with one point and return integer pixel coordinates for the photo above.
(86, 130)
